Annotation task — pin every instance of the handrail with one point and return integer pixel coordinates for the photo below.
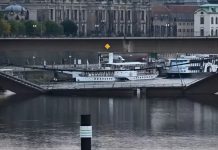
(21, 81)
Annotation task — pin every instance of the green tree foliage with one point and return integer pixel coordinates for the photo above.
(33, 28)
(17, 28)
(1, 15)
(53, 29)
(5, 28)
(70, 28)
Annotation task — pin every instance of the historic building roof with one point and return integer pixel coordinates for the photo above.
(15, 8)
(180, 12)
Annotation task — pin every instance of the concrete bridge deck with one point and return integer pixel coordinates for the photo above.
(158, 82)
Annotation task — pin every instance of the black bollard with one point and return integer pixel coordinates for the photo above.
(85, 132)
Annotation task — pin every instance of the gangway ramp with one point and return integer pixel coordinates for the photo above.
(208, 85)
(19, 86)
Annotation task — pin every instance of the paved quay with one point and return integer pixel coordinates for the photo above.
(158, 82)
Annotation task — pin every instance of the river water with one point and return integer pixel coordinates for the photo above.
(52, 123)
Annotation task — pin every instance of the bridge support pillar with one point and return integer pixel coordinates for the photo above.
(128, 46)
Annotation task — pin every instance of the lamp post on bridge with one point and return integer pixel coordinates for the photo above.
(70, 59)
(96, 29)
(167, 28)
(34, 28)
(34, 60)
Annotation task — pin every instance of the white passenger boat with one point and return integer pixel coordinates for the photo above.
(187, 65)
(107, 72)
(114, 73)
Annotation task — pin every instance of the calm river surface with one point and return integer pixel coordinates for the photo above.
(52, 123)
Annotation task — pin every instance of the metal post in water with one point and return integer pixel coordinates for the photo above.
(138, 92)
(85, 132)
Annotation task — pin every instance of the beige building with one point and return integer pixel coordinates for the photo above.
(93, 17)
(173, 20)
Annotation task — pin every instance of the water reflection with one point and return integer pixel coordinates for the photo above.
(118, 123)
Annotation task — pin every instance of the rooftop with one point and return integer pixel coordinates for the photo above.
(14, 8)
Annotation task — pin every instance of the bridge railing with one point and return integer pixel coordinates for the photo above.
(21, 81)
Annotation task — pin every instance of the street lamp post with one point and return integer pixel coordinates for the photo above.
(102, 27)
(34, 28)
(34, 60)
(167, 27)
(96, 29)
(70, 59)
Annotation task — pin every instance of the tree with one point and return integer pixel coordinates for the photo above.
(17, 28)
(70, 28)
(53, 29)
(33, 28)
(5, 28)
(1, 15)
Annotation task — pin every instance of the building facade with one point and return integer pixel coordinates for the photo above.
(173, 20)
(154, 2)
(206, 20)
(93, 17)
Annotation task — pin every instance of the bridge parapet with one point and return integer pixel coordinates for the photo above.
(208, 85)
(118, 44)
(19, 86)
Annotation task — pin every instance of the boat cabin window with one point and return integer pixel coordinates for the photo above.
(176, 62)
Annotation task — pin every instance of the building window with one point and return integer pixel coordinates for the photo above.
(202, 32)
(121, 15)
(211, 32)
(115, 15)
(75, 14)
(216, 20)
(121, 28)
(129, 29)
(52, 15)
(83, 14)
(202, 20)
(211, 20)
(142, 15)
(216, 32)
(128, 15)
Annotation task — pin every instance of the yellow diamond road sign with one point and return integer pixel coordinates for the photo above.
(107, 46)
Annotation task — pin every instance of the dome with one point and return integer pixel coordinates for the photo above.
(15, 8)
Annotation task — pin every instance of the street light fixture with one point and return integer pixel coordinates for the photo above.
(70, 59)
(103, 27)
(167, 26)
(96, 29)
(34, 60)
(34, 28)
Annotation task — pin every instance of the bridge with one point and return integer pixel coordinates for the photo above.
(159, 87)
(118, 44)
(205, 86)
(19, 86)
